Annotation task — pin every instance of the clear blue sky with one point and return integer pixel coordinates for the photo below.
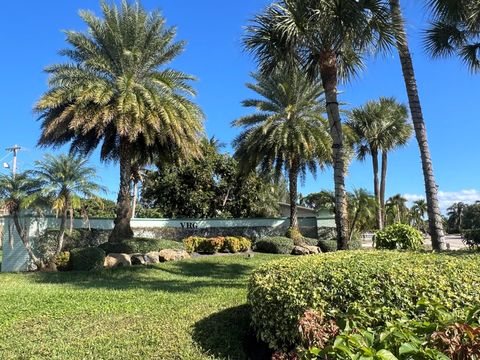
(32, 37)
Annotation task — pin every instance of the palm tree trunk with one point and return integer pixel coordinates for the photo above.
(61, 232)
(24, 237)
(134, 201)
(376, 187)
(434, 215)
(328, 72)
(292, 178)
(122, 229)
(383, 185)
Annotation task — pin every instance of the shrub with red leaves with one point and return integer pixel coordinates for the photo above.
(458, 341)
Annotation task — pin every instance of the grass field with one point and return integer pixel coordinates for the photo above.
(192, 309)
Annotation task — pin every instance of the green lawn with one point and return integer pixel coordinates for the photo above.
(192, 309)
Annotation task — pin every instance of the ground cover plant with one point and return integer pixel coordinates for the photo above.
(191, 309)
(370, 288)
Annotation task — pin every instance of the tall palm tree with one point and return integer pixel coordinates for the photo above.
(329, 38)
(396, 209)
(287, 132)
(21, 193)
(115, 92)
(379, 126)
(66, 179)
(362, 209)
(418, 211)
(455, 30)
(434, 215)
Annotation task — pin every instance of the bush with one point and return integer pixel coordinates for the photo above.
(245, 244)
(62, 261)
(117, 248)
(398, 236)
(140, 245)
(471, 237)
(86, 259)
(309, 241)
(370, 288)
(211, 246)
(191, 243)
(327, 245)
(275, 245)
(232, 244)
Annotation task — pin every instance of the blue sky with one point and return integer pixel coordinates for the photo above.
(213, 29)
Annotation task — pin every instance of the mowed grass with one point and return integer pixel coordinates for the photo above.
(192, 309)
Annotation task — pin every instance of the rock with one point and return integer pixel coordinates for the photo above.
(114, 260)
(137, 259)
(172, 255)
(151, 257)
(305, 250)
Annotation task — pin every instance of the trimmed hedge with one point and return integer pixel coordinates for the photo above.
(370, 288)
(86, 259)
(275, 245)
(398, 236)
(232, 244)
(140, 245)
(328, 245)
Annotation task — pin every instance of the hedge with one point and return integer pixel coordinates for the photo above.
(275, 245)
(86, 259)
(370, 288)
(231, 244)
(140, 245)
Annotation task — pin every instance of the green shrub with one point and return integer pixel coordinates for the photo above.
(211, 245)
(86, 259)
(275, 245)
(245, 244)
(191, 243)
(398, 236)
(471, 237)
(327, 245)
(370, 288)
(140, 245)
(117, 248)
(294, 234)
(231, 244)
(62, 261)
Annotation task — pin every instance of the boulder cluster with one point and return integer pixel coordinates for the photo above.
(114, 260)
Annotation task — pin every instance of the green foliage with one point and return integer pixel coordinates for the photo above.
(86, 259)
(371, 288)
(327, 245)
(470, 219)
(62, 261)
(471, 238)
(96, 208)
(140, 245)
(398, 236)
(230, 244)
(309, 241)
(294, 234)
(275, 245)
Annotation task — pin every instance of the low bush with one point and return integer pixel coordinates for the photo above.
(62, 261)
(471, 237)
(232, 244)
(398, 236)
(211, 245)
(117, 248)
(86, 259)
(140, 245)
(275, 245)
(309, 241)
(369, 288)
(327, 245)
(191, 243)
(245, 244)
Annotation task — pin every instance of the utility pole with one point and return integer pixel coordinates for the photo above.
(15, 150)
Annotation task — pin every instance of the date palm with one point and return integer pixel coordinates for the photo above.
(287, 133)
(65, 179)
(115, 92)
(379, 126)
(329, 38)
(455, 30)
(435, 219)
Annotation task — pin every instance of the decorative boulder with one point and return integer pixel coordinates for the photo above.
(137, 259)
(172, 255)
(114, 260)
(151, 257)
(305, 250)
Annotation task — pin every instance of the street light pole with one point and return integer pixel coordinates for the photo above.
(14, 149)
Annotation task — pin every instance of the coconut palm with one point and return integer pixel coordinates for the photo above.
(417, 213)
(115, 92)
(455, 216)
(379, 126)
(21, 193)
(287, 132)
(455, 30)
(329, 38)
(65, 180)
(434, 215)
(362, 209)
(396, 209)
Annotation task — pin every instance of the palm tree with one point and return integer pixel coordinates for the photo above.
(418, 211)
(65, 180)
(379, 126)
(396, 209)
(362, 208)
(20, 193)
(288, 131)
(329, 38)
(455, 216)
(434, 215)
(116, 93)
(455, 30)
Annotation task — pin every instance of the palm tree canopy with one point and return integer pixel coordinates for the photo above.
(20, 192)
(299, 31)
(455, 30)
(115, 87)
(380, 126)
(288, 129)
(66, 177)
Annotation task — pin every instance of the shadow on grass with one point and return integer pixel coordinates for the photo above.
(227, 334)
(182, 276)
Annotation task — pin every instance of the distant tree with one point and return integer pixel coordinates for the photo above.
(455, 215)
(455, 31)
(417, 214)
(96, 207)
(396, 209)
(471, 217)
(287, 133)
(362, 208)
(117, 94)
(323, 200)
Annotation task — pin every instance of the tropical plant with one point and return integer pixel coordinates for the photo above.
(287, 133)
(455, 30)
(20, 193)
(116, 93)
(65, 180)
(322, 200)
(380, 126)
(362, 208)
(329, 38)
(434, 215)
(417, 214)
(396, 209)
(455, 217)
